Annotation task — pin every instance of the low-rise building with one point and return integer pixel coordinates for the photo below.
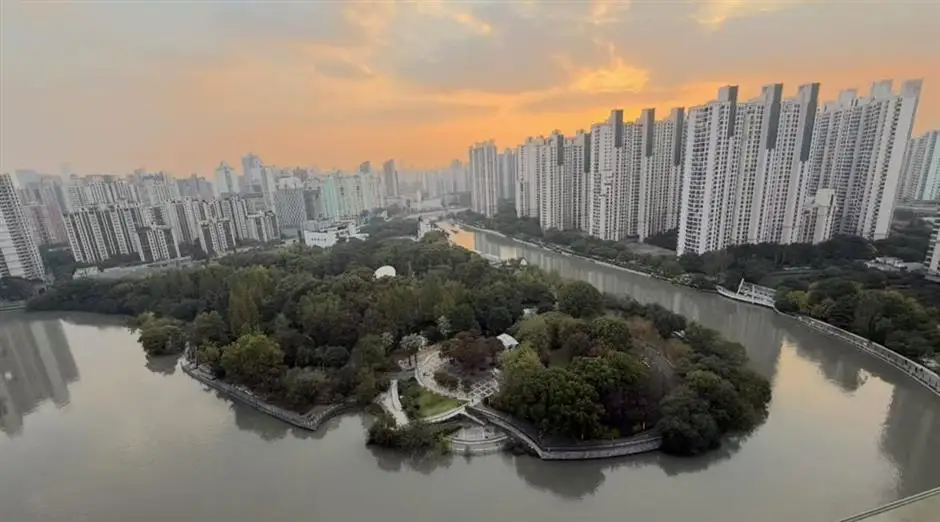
(325, 237)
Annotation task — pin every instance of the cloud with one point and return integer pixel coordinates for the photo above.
(111, 86)
(714, 13)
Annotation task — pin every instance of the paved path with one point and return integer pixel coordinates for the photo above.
(431, 361)
(391, 403)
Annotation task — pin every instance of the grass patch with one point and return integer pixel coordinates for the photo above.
(419, 402)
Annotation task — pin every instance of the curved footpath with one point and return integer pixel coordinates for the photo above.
(640, 443)
(309, 421)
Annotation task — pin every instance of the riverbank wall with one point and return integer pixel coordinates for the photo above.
(925, 376)
(310, 423)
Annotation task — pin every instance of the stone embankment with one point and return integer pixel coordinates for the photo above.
(925, 376)
(310, 421)
(641, 443)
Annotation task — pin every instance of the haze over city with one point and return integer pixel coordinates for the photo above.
(180, 86)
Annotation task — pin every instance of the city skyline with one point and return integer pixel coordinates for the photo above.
(180, 100)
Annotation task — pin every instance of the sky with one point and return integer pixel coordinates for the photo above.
(108, 86)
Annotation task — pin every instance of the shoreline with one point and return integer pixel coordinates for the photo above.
(297, 420)
(913, 369)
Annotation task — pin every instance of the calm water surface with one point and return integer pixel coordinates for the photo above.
(93, 431)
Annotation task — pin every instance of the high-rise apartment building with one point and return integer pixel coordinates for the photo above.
(528, 177)
(507, 175)
(19, 255)
(484, 167)
(920, 178)
(390, 177)
(291, 209)
(348, 196)
(195, 187)
(563, 165)
(711, 161)
(250, 180)
(745, 174)
(858, 152)
(156, 188)
(98, 190)
(661, 172)
(226, 180)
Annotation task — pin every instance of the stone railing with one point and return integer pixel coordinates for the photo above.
(311, 423)
(925, 376)
(641, 443)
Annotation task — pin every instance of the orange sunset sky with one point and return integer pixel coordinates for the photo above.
(109, 86)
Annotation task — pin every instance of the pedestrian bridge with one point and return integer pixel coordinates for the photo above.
(923, 507)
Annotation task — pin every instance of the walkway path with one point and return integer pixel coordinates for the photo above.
(640, 443)
(431, 361)
(391, 403)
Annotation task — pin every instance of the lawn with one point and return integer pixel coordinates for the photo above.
(420, 402)
(430, 403)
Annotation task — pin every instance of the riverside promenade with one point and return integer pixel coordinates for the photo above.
(925, 376)
(309, 421)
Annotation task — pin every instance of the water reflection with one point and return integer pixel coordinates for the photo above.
(394, 461)
(35, 365)
(910, 439)
(163, 365)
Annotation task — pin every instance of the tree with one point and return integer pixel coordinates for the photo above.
(335, 356)
(162, 336)
(210, 327)
(303, 387)
(253, 359)
(369, 353)
(16, 289)
(412, 344)
(687, 427)
(470, 351)
(580, 299)
(611, 332)
(462, 319)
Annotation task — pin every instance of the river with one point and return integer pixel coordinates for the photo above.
(91, 430)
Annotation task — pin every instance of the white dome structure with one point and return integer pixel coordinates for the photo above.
(385, 271)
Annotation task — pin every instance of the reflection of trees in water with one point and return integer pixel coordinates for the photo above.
(164, 364)
(578, 479)
(839, 363)
(911, 438)
(569, 480)
(393, 461)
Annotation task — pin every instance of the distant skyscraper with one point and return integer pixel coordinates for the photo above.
(251, 174)
(390, 176)
(920, 178)
(483, 178)
(226, 180)
(19, 255)
(196, 187)
(365, 167)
